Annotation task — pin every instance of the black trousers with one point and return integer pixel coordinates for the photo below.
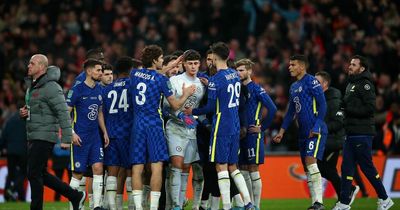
(60, 163)
(16, 165)
(38, 154)
(357, 151)
(327, 167)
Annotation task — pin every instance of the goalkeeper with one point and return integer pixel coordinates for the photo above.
(181, 131)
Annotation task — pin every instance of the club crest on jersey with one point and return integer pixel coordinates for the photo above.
(78, 164)
(99, 97)
(367, 87)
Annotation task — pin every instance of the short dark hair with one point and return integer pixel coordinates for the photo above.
(192, 55)
(221, 50)
(177, 53)
(209, 51)
(168, 59)
(94, 53)
(149, 54)
(363, 61)
(325, 75)
(124, 64)
(231, 64)
(136, 63)
(107, 66)
(302, 58)
(90, 63)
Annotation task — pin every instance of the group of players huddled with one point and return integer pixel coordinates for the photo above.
(160, 117)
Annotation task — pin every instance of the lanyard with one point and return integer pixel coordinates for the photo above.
(28, 96)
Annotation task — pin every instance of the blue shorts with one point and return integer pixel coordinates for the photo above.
(148, 143)
(117, 153)
(224, 149)
(89, 153)
(313, 147)
(252, 149)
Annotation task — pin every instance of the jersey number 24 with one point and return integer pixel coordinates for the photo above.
(123, 101)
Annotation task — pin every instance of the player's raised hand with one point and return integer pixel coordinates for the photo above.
(106, 140)
(254, 129)
(76, 140)
(188, 91)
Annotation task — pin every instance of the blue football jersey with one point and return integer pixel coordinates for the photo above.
(80, 78)
(256, 99)
(118, 108)
(86, 102)
(224, 88)
(303, 104)
(147, 90)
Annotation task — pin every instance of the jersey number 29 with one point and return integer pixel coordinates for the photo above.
(234, 90)
(123, 101)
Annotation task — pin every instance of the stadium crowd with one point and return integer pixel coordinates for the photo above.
(266, 31)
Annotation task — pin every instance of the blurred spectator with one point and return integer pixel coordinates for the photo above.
(13, 145)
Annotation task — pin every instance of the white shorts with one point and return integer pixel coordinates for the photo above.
(182, 142)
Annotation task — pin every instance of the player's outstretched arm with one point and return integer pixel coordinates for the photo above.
(175, 103)
(103, 128)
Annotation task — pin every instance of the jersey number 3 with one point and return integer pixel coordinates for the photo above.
(123, 101)
(235, 94)
(141, 98)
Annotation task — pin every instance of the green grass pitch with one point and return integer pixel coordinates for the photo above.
(269, 204)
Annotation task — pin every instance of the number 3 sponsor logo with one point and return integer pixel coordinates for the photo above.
(92, 115)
